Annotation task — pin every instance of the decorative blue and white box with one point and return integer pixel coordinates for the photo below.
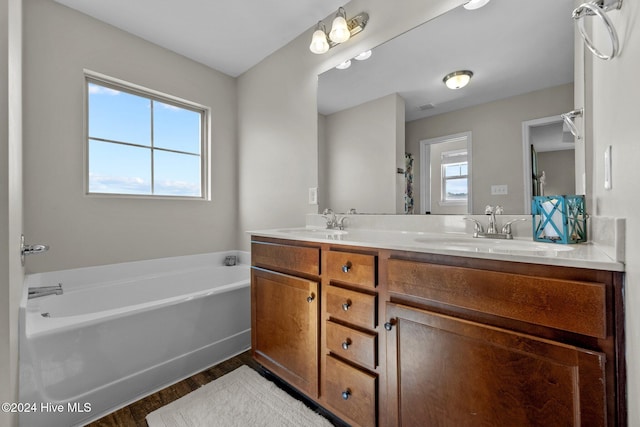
(559, 219)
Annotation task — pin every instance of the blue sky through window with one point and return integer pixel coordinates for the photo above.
(142, 146)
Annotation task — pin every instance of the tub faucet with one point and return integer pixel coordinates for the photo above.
(42, 291)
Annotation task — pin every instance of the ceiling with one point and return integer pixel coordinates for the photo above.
(228, 35)
(512, 46)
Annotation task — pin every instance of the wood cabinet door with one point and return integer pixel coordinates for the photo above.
(444, 371)
(284, 325)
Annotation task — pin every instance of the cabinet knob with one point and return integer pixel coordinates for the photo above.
(346, 343)
(388, 326)
(346, 305)
(310, 298)
(346, 267)
(346, 394)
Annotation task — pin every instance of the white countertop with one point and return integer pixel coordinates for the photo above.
(582, 255)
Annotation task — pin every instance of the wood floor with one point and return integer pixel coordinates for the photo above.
(134, 414)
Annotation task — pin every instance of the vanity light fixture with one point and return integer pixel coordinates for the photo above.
(342, 29)
(457, 79)
(343, 66)
(339, 31)
(475, 4)
(319, 43)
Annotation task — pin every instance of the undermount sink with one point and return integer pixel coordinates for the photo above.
(492, 245)
(318, 232)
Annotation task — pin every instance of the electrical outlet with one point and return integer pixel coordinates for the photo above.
(499, 190)
(313, 195)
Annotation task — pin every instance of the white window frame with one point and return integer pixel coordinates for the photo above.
(425, 172)
(205, 134)
(444, 201)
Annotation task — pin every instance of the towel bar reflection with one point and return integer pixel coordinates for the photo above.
(568, 119)
(599, 9)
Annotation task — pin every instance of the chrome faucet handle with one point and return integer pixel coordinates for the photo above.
(488, 210)
(498, 210)
(506, 229)
(477, 227)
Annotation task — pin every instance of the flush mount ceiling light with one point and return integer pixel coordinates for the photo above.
(457, 79)
(343, 66)
(475, 4)
(342, 29)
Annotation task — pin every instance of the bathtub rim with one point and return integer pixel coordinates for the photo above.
(39, 325)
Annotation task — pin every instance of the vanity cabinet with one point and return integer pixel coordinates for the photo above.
(285, 289)
(500, 344)
(382, 337)
(350, 353)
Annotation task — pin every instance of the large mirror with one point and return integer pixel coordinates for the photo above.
(394, 139)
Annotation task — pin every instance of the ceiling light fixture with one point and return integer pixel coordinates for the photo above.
(342, 29)
(457, 79)
(475, 4)
(343, 66)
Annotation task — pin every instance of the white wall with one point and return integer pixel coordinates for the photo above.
(361, 160)
(11, 272)
(277, 113)
(615, 122)
(497, 141)
(559, 171)
(89, 230)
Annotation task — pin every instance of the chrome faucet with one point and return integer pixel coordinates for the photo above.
(492, 228)
(492, 212)
(42, 291)
(334, 221)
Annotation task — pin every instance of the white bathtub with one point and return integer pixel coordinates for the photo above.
(122, 331)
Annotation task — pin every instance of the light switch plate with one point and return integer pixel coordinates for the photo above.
(499, 190)
(313, 195)
(607, 168)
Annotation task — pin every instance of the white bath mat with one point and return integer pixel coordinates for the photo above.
(241, 398)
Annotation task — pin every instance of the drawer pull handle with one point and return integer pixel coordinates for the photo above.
(346, 305)
(346, 343)
(310, 298)
(346, 267)
(388, 326)
(346, 394)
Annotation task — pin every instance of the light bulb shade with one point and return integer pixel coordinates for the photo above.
(343, 66)
(339, 29)
(319, 43)
(475, 4)
(457, 79)
(364, 55)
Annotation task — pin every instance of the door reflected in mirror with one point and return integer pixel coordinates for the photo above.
(377, 110)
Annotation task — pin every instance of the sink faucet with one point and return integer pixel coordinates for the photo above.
(42, 291)
(492, 228)
(492, 212)
(334, 221)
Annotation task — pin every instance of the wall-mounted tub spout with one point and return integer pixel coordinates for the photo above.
(30, 249)
(42, 291)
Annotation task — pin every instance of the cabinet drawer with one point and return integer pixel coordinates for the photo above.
(574, 306)
(300, 259)
(353, 307)
(347, 267)
(351, 391)
(351, 344)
